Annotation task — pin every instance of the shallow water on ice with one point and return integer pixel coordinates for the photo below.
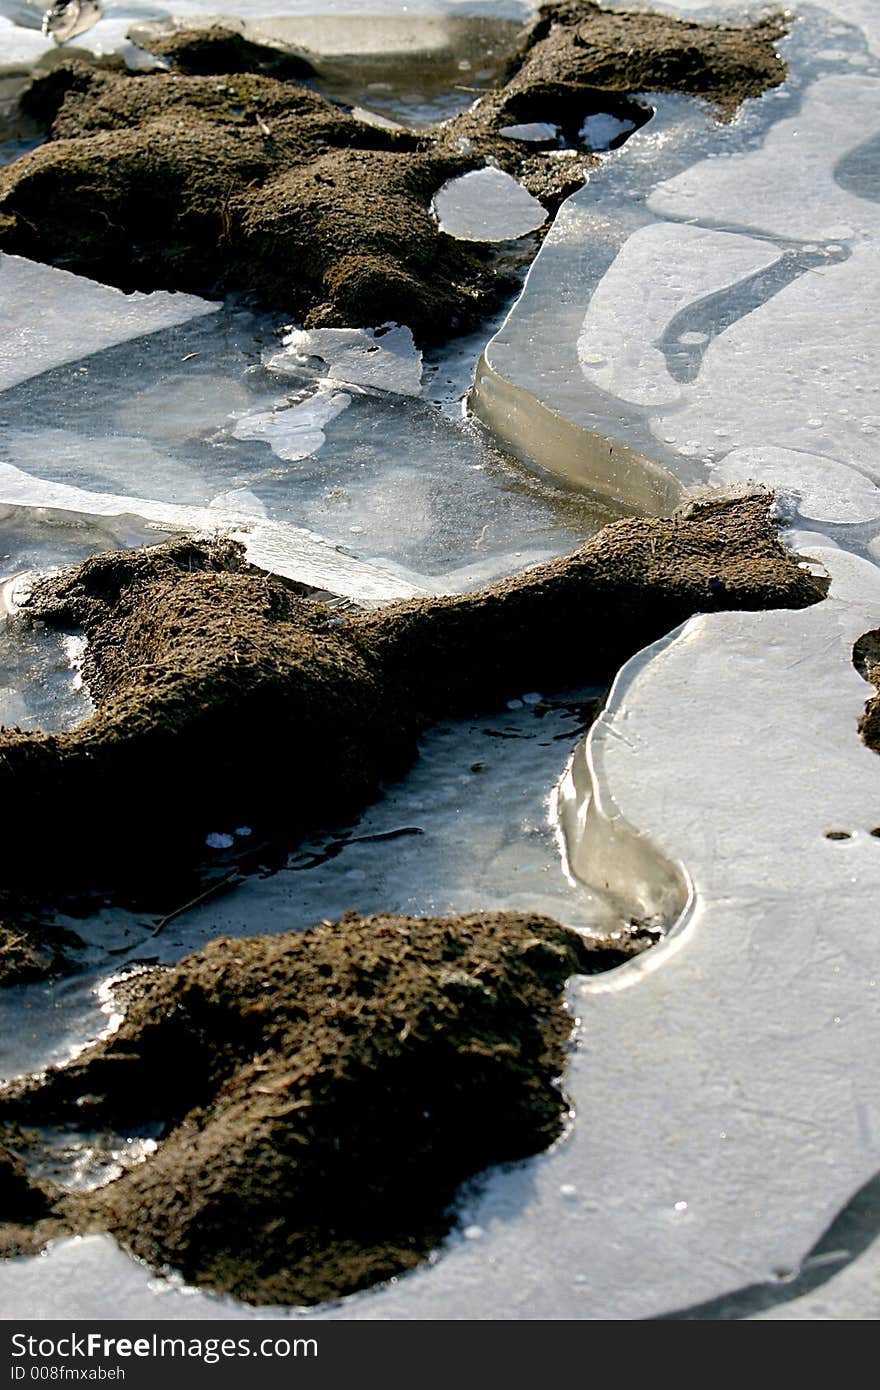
(468, 828)
(190, 415)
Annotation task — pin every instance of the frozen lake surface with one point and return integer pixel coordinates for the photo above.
(697, 318)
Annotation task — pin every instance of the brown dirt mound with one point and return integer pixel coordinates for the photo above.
(866, 659)
(240, 181)
(226, 697)
(322, 1095)
(220, 49)
(576, 47)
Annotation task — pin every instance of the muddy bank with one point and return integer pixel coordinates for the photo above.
(322, 1095)
(216, 177)
(225, 696)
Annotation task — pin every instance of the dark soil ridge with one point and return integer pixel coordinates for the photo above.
(224, 696)
(866, 659)
(238, 181)
(322, 1096)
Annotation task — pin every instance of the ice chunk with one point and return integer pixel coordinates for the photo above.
(375, 118)
(73, 457)
(75, 25)
(487, 205)
(788, 186)
(402, 484)
(788, 1026)
(294, 431)
(218, 839)
(49, 316)
(798, 372)
(385, 358)
(752, 331)
(286, 550)
(20, 48)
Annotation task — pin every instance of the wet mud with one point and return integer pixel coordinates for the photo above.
(321, 1096)
(219, 176)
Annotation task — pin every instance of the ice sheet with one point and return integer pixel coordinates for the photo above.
(49, 316)
(385, 357)
(705, 297)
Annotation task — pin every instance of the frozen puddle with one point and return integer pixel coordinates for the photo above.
(321, 450)
(41, 684)
(468, 827)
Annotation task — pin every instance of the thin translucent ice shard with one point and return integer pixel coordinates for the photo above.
(294, 431)
(487, 205)
(286, 550)
(385, 358)
(49, 316)
(601, 130)
(532, 132)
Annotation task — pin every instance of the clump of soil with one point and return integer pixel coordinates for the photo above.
(212, 181)
(225, 697)
(221, 49)
(866, 659)
(576, 47)
(322, 1094)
